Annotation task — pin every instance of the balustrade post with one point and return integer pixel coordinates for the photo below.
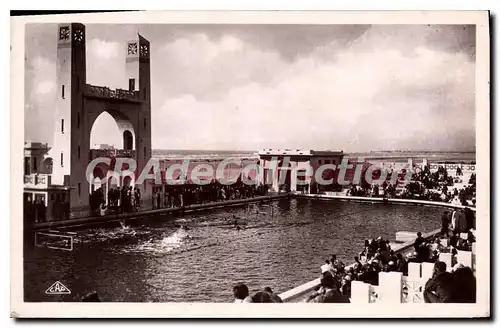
(360, 292)
(465, 258)
(427, 271)
(414, 270)
(473, 257)
(446, 258)
(390, 287)
(444, 242)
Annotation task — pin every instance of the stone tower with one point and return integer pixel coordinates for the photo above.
(78, 105)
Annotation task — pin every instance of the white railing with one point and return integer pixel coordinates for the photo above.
(393, 287)
(450, 166)
(402, 201)
(37, 180)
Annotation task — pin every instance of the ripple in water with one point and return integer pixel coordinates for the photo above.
(175, 241)
(107, 235)
(280, 247)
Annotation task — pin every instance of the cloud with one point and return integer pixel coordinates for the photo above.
(383, 98)
(356, 89)
(106, 63)
(208, 68)
(102, 49)
(39, 98)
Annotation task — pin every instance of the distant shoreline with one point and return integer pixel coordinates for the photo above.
(396, 156)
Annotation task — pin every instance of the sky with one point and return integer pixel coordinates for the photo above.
(336, 87)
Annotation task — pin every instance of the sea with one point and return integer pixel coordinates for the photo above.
(396, 156)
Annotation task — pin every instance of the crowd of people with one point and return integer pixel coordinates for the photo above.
(185, 195)
(35, 210)
(336, 278)
(438, 186)
(125, 199)
(424, 185)
(377, 256)
(128, 198)
(386, 190)
(242, 295)
(457, 286)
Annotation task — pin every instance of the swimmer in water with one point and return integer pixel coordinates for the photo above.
(238, 228)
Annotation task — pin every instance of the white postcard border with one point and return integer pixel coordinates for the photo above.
(19, 308)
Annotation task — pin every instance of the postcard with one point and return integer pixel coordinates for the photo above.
(191, 164)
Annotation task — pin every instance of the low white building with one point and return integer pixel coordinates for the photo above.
(43, 201)
(292, 165)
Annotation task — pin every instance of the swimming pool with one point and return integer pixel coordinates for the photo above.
(280, 244)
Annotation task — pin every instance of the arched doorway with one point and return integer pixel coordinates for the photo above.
(127, 181)
(284, 175)
(98, 190)
(47, 165)
(112, 129)
(128, 140)
(99, 179)
(72, 148)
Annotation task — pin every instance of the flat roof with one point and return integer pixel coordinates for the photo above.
(36, 145)
(300, 152)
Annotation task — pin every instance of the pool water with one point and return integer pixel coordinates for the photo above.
(280, 244)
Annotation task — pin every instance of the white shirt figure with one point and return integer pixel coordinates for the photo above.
(326, 267)
(102, 209)
(454, 220)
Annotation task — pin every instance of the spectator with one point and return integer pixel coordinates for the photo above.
(454, 239)
(440, 287)
(445, 224)
(328, 292)
(464, 285)
(274, 298)
(418, 241)
(241, 294)
(454, 220)
(327, 267)
(261, 297)
(435, 256)
(469, 218)
(462, 222)
(346, 286)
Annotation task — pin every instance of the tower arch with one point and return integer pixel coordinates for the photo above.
(79, 104)
(125, 128)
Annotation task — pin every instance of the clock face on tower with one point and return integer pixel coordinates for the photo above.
(64, 33)
(144, 50)
(78, 35)
(132, 49)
